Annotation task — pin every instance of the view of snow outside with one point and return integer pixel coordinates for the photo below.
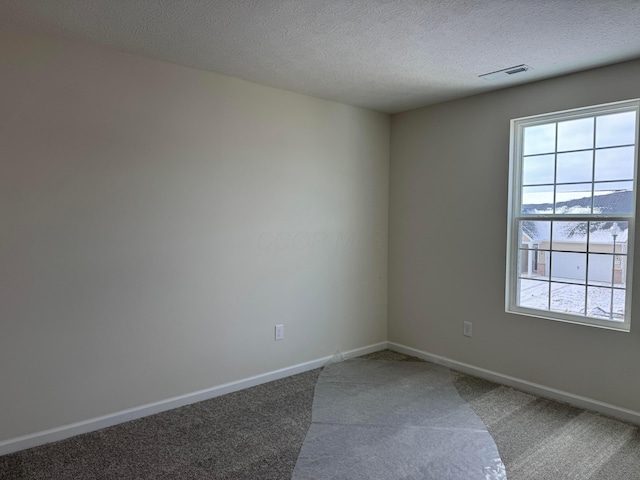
(567, 298)
(582, 166)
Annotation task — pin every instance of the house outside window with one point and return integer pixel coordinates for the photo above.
(571, 218)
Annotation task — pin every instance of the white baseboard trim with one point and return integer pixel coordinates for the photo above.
(524, 385)
(98, 423)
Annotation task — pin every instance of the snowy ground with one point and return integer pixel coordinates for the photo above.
(571, 298)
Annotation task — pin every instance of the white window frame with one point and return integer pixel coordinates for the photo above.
(515, 215)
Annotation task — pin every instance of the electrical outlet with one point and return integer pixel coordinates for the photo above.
(467, 330)
(279, 332)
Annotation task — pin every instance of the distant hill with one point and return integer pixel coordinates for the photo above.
(617, 202)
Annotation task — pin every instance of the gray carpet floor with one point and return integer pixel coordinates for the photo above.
(257, 433)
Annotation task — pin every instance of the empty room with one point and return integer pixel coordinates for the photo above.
(319, 239)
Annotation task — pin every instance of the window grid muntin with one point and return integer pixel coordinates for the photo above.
(578, 150)
(592, 182)
(588, 250)
(515, 206)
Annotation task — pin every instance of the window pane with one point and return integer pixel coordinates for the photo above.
(537, 199)
(537, 232)
(538, 169)
(572, 199)
(599, 302)
(603, 271)
(613, 197)
(614, 164)
(569, 267)
(524, 263)
(570, 236)
(540, 139)
(575, 134)
(575, 167)
(619, 299)
(567, 298)
(616, 129)
(533, 294)
(600, 269)
(603, 235)
(532, 263)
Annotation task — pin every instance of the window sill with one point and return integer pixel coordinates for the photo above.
(618, 326)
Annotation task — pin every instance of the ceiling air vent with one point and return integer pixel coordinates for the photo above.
(507, 72)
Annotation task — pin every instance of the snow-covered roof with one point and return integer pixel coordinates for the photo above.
(574, 232)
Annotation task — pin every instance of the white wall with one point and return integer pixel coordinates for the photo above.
(156, 222)
(448, 218)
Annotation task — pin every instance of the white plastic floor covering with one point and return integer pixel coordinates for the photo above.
(386, 420)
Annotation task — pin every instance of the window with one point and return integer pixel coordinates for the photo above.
(571, 219)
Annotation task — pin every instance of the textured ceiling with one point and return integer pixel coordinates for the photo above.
(382, 54)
